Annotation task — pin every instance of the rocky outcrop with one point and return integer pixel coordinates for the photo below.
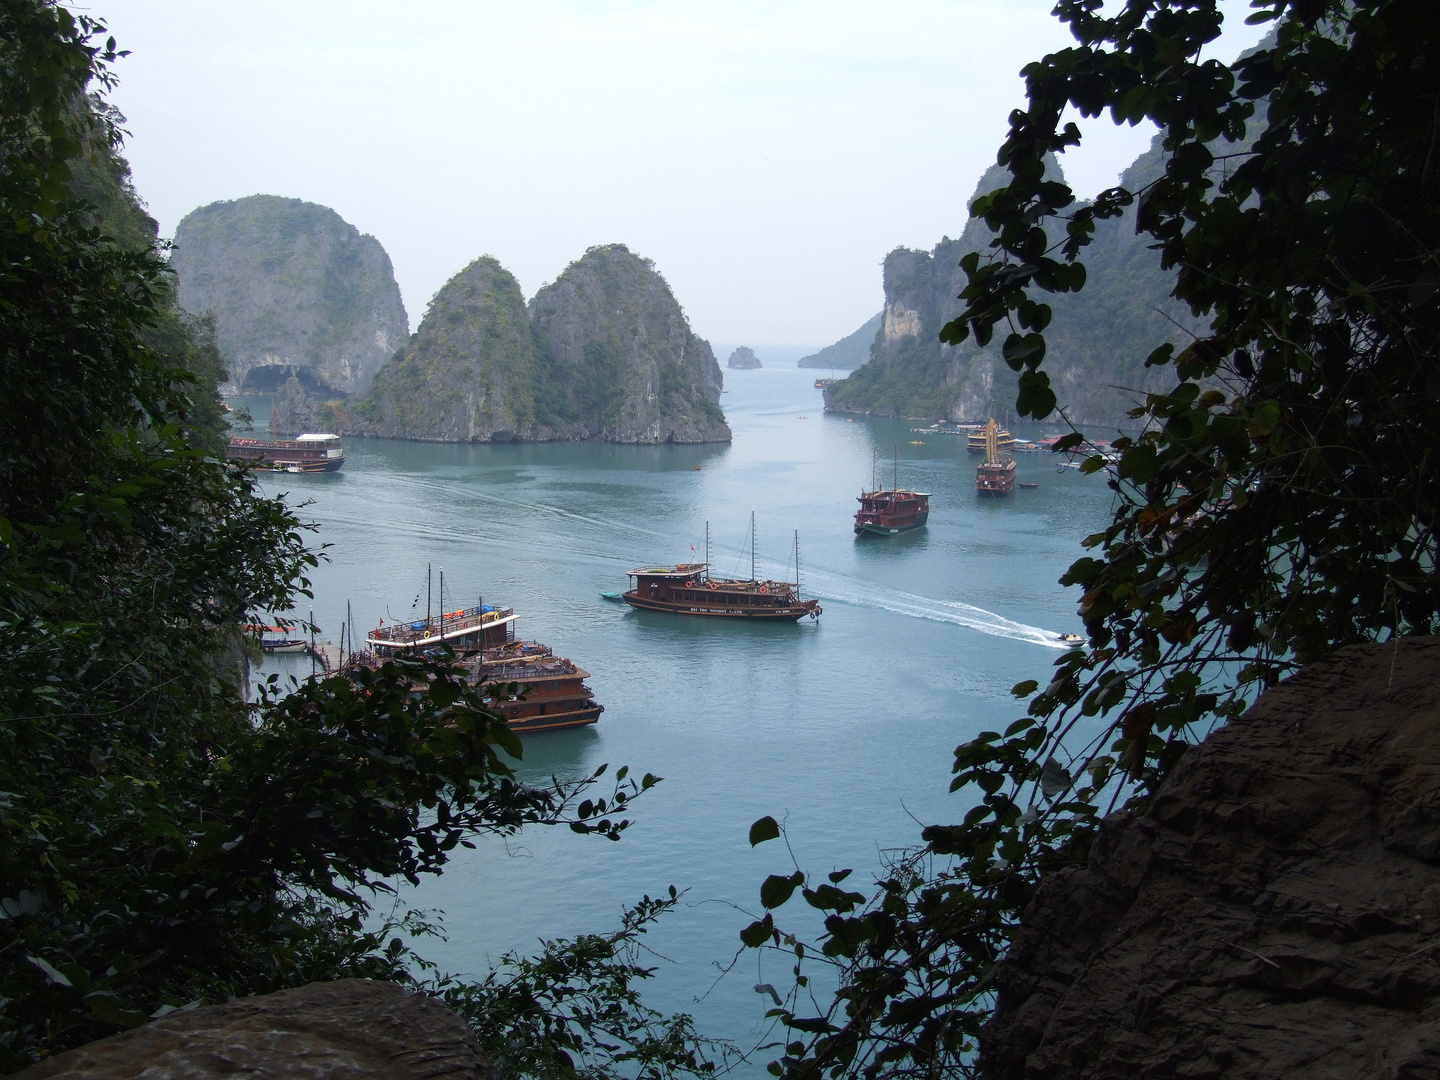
(470, 374)
(353, 1029)
(296, 291)
(743, 359)
(849, 352)
(603, 353)
(1096, 344)
(621, 359)
(1276, 914)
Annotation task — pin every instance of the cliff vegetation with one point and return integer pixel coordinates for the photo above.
(1274, 506)
(1098, 344)
(163, 842)
(603, 352)
(296, 291)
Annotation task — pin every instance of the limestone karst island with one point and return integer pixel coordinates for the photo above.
(308, 309)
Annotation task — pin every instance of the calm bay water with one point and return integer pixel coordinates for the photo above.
(842, 729)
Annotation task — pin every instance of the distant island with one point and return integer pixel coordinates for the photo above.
(849, 352)
(297, 292)
(743, 359)
(604, 352)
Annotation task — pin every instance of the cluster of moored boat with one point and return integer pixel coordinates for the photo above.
(550, 690)
(526, 682)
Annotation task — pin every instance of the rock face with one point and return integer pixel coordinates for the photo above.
(1097, 341)
(603, 353)
(1277, 914)
(622, 361)
(469, 374)
(296, 291)
(743, 359)
(353, 1029)
(849, 352)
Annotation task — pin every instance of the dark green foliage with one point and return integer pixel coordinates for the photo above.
(575, 1012)
(1280, 502)
(1099, 339)
(161, 841)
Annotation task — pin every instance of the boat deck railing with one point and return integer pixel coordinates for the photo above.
(731, 585)
(450, 624)
(529, 671)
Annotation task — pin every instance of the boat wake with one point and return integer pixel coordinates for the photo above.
(830, 587)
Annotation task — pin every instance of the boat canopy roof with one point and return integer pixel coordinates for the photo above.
(897, 493)
(317, 438)
(680, 570)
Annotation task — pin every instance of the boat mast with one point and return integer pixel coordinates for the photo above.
(752, 545)
(895, 484)
(442, 603)
(797, 562)
(874, 467)
(428, 576)
(707, 550)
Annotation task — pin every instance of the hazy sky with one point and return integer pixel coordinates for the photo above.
(766, 154)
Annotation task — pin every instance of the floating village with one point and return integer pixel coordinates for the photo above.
(533, 687)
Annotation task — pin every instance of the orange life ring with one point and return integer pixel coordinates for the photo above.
(712, 585)
(764, 588)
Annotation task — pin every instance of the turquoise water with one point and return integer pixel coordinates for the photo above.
(844, 729)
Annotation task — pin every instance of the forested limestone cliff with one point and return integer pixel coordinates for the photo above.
(743, 359)
(604, 352)
(295, 289)
(1097, 342)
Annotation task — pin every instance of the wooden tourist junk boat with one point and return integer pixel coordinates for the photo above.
(550, 690)
(302, 454)
(688, 589)
(976, 444)
(889, 513)
(996, 476)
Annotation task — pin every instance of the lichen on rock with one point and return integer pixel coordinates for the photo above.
(352, 1029)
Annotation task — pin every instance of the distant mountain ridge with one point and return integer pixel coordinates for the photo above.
(296, 291)
(1097, 341)
(604, 352)
(849, 352)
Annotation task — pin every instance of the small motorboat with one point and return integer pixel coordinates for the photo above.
(615, 596)
(1028, 485)
(1070, 639)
